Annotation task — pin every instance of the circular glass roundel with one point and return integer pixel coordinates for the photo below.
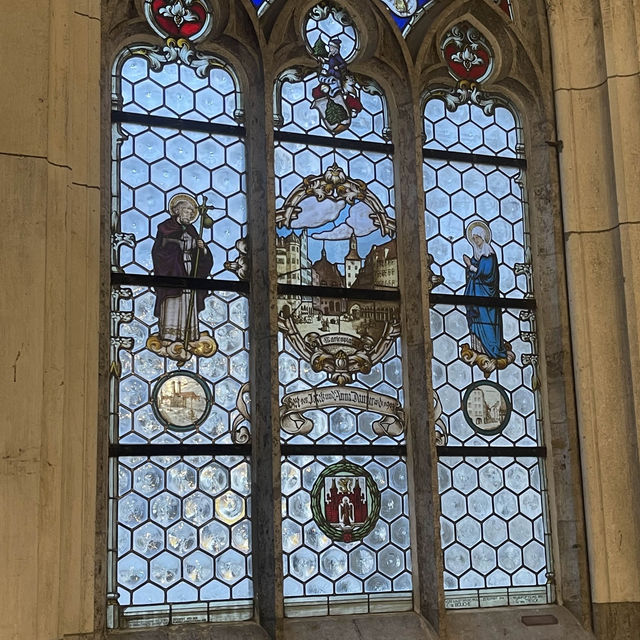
(181, 400)
(345, 502)
(486, 407)
(330, 34)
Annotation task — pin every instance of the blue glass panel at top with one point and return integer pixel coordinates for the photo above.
(402, 11)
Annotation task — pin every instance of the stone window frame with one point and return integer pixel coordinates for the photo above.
(259, 49)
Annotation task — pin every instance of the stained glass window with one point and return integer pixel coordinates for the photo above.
(494, 524)
(330, 99)
(344, 477)
(180, 546)
(179, 536)
(405, 13)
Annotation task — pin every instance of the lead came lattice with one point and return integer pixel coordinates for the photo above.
(180, 534)
(494, 524)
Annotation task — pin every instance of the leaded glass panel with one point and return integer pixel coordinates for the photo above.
(330, 99)
(152, 384)
(501, 409)
(179, 535)
(469, 128)
(367, 404)
(157, 163)
(345, 499)
(297, 117)
(176, 90)
(406, 12)
(486, 383)
(493, 530)
(460, 195)
(183, 529)
(325, 573)
(345, 230)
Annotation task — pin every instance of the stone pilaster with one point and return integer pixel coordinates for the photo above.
(49, 157)
(596, 89)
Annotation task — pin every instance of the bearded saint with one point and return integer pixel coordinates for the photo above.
(179, 251)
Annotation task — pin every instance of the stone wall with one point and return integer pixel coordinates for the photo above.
(50, 185)
(597, 119)
(54, 164)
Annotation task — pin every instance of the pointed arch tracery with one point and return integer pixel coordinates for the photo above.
(405, 13)
(179, 144)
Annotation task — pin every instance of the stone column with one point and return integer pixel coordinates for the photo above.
(49, 291)
(596, 89)
(414, 273)
(265, 423)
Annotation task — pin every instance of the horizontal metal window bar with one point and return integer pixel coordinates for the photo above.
(337, 292)
(479, 301)
(144, 119)
(333, 142)
(473, 158)
(488, 451)
(179, 449)
(343, 450)
(206, 284)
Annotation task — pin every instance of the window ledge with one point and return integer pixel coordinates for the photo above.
(381, 626)
(515, 623)
(230, 631)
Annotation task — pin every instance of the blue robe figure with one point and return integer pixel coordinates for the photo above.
(483, 280)
(336, 64)
(334, 69)
(337, 95)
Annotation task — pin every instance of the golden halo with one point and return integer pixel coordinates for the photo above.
(184, 197)
(483, 225)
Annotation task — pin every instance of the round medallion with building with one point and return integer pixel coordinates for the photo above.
(181, 400)
(486, 407)
(345, 502)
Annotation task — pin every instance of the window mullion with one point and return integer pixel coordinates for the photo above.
(263, 325)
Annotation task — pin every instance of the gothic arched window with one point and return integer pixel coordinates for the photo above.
(344, 480)
(270, 170)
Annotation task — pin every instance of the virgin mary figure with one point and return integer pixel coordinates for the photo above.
(487, 350)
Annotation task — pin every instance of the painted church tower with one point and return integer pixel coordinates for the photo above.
(352, 262)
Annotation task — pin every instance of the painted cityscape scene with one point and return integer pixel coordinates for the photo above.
(181, 401)
(328, 315)
(340, 237)
(486, 408)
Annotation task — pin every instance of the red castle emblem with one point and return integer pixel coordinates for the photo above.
(345, 502)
